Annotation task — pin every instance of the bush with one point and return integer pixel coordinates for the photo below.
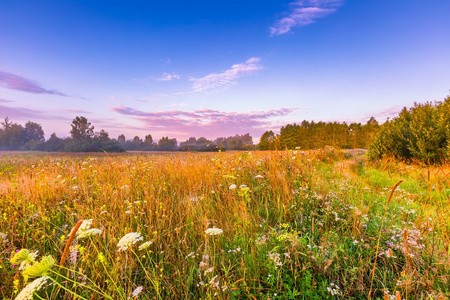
(421, 133)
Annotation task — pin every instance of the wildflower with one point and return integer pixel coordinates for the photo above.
(145, 245)
(259, 176)
(334, 289)
(20, 256)
(101, 257)
(88, 233)
(190, 254)
(232, 187)
(28, 261)
(29, 290)
(276, 259)
(243, 186)
(136, 292)
(213, 231)
(39, 268)
(129, 240)
(4, 237)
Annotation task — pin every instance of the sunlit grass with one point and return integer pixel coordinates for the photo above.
(278, 225)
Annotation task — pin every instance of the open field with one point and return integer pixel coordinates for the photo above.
(289, 225)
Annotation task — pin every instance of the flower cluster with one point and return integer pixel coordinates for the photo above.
(213, 231)
(129, 240)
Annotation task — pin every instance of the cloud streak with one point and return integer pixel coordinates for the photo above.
(227, 78)
(304, 12)
(27, 114)
(204, 122)
(168, 77)
(18, 83)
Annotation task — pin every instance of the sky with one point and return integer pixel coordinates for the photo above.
(217, 68)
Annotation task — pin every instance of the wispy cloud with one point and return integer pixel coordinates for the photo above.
(228, 77)
(204, 122)
(304, 12)
(18, 83)
(167, 77)
(76, 111)
(27, 114)
(5, 100)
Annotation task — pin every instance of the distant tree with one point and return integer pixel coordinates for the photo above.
(12, 135)
(54, 143)
(33, 132)
(82, 130)
(148, 140)
(167, 144)
(102, 135)
(267, 141)
(121, 139)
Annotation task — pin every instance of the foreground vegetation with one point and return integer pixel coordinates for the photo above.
(242, 225)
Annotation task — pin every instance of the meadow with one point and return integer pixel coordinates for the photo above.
(322, 224)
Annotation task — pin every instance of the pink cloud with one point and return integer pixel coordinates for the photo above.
(76, 111)
(26, 114)
(304, 12)
(204, 122)
(228, 77)
(5, 100)
(18, 83)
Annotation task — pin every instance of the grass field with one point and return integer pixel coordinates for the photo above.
(238, 225)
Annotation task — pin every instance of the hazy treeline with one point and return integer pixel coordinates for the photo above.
(312, 135)
(83, 138)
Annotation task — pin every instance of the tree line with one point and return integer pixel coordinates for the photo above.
(83, 138)
(420, 133)
(315, 135)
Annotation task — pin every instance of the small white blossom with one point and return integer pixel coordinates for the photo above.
(28, 291)
(129, 240)
(87, 233)
(136, 292)
(232, 187)
(213, 231)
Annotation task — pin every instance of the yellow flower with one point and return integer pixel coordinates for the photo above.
(20, 256)
(39, 268)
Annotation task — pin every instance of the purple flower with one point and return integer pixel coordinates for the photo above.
(390, 244)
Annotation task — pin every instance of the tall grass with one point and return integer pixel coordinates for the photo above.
(296, 225)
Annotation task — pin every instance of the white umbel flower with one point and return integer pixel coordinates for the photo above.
(136, 292)
(145, 245)
(213, 231)
(87, 233)
(129, 240)
(28, 291)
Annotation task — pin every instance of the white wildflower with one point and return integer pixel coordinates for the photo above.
(136, 292)
(29, 290)
(87, 233)
(190, 254)
(213, 231)
(232, 187)
(276, 259)
(31, 258)
(259, 176)
(145, 245)
(129, 240)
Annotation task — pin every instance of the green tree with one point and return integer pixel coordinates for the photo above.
(82, 130)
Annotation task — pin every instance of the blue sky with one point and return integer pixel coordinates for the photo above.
(217, 68)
